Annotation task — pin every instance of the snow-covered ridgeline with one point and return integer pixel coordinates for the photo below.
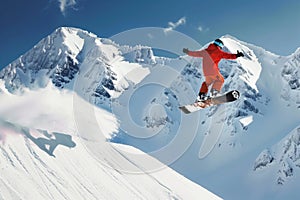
(68, 53)
(291, 75)
(283, 158)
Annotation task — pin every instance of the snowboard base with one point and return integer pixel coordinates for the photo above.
(224, 98)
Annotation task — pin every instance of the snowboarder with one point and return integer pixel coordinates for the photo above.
(211, 57)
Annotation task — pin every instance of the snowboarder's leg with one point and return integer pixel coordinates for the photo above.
(217, 85)
(203, 92)
(204, 88)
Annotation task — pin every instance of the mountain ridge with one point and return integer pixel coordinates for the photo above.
(116, 78)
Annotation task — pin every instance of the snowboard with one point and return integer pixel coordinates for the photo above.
(224, 98)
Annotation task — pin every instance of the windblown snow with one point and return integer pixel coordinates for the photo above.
(85, 118)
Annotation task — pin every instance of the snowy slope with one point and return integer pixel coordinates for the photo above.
(137, 95)
(44, 96)
(283, 153)
(43, 157)
(30, 173)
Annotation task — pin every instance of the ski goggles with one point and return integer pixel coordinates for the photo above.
(221, 45)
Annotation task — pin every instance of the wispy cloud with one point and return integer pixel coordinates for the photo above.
(202, 29)
(172, 25)
(65, 4)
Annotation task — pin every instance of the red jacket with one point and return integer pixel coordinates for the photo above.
(211, 58)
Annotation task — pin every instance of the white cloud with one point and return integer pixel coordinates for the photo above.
(64, 4)
(202, 29)
(173, 25)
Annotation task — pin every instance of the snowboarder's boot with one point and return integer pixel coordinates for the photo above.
(214, 93)
(201, 97)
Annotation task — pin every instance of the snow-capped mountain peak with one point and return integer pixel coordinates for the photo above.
(41, 145)
(135, 95)
(250, 64)
(68, 52)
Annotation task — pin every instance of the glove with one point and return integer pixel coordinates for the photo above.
(239, 54)
(185, 50)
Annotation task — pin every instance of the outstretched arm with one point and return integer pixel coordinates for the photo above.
(231, 55)
(194, 53)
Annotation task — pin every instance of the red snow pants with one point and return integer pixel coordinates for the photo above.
(216, 81)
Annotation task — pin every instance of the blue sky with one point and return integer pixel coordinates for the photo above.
(273, 25)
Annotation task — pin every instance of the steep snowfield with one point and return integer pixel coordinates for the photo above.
(43, 157)
(27, 172)
(244, 147)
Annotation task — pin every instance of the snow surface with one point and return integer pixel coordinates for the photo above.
(44, 152)
(43, 157)
(102, 96)
(246, 121)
